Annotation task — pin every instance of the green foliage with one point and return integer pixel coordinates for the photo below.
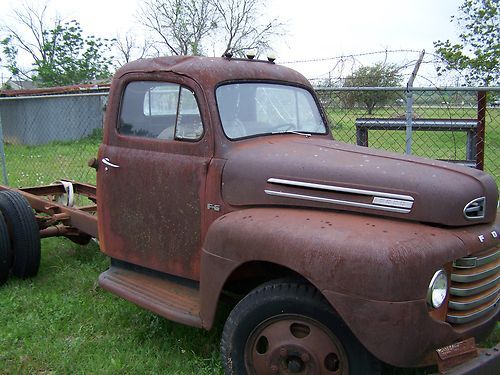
(64, 56)
(477, 53)
(378, 75)
(71, 58)
(10, 51)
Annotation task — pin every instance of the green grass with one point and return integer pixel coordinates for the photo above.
(62, 322)
(44, 164)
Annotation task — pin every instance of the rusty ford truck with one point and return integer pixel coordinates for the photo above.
(219, 177)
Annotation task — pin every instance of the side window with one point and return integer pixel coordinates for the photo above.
(188, 120)
(159, 110)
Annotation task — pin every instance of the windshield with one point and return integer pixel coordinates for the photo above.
(248, 109)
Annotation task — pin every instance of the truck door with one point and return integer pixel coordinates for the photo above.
(151, 176)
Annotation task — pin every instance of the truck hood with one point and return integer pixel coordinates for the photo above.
(292, 170)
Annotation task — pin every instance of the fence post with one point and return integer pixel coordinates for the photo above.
(409, 104)
(481, 128)
(2, 153)
(409, 120)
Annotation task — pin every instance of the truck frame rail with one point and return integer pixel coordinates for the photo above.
(56, 213)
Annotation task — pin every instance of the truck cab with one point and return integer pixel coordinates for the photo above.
(220, 176)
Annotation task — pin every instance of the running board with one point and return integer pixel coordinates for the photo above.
(167, 298)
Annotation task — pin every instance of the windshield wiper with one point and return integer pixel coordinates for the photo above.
(307, 135)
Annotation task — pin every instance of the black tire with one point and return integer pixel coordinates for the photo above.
(5, 251)
(24, 233)
(285, 327)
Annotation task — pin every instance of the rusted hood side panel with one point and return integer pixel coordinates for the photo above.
(291, 170)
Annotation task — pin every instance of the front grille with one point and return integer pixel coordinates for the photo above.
(474, 290)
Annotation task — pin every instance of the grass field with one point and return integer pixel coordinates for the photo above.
(61, 322)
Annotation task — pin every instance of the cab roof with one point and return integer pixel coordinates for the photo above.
(214, 70)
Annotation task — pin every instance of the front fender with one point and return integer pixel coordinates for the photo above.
(374, 271)
(371, 257)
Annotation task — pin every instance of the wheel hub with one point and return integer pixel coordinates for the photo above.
(295, 365)
(294, 344)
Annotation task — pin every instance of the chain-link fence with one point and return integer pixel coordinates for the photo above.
(461, 125)
(51, 137)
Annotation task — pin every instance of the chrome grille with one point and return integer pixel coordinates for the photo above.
(474, 290)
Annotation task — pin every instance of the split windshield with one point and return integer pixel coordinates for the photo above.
(249, 109)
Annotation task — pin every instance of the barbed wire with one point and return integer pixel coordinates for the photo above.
(430, 74)
(361, 54)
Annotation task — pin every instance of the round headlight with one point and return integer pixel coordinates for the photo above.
(438, 289)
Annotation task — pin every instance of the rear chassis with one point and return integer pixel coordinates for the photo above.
(78, 223)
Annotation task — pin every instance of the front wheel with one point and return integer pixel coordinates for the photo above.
(289, 328)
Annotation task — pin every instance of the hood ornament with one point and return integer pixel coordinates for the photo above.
(475, 209)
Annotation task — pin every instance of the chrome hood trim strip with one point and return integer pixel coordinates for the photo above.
(335, 201)
(381, 200)
(338, 189)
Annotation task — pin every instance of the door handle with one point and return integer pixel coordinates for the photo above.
(106, 162)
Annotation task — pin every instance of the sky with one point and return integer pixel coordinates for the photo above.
(314, 29)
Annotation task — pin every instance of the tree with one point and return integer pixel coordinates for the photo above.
(192, 27)
(181, 25)
(129, 48)
(477, 53)
(58, 51)
(239, 26)
(378, 75)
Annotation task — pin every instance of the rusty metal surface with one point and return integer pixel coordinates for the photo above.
(209, 72)
(333, 164)
(481, 116)
(344, 252)
(161, 184)
(154, 201)
(487, 363)
(295, 344)
(77, 222)
(206, 74)
(456, 354)
(57, 188)
(168, 198)
(152, 210)
(374, 271)
(165, 297)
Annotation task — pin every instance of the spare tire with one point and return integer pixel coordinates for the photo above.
(24, 233)
(5, 251)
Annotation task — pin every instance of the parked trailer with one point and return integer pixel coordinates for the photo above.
(219, 176)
